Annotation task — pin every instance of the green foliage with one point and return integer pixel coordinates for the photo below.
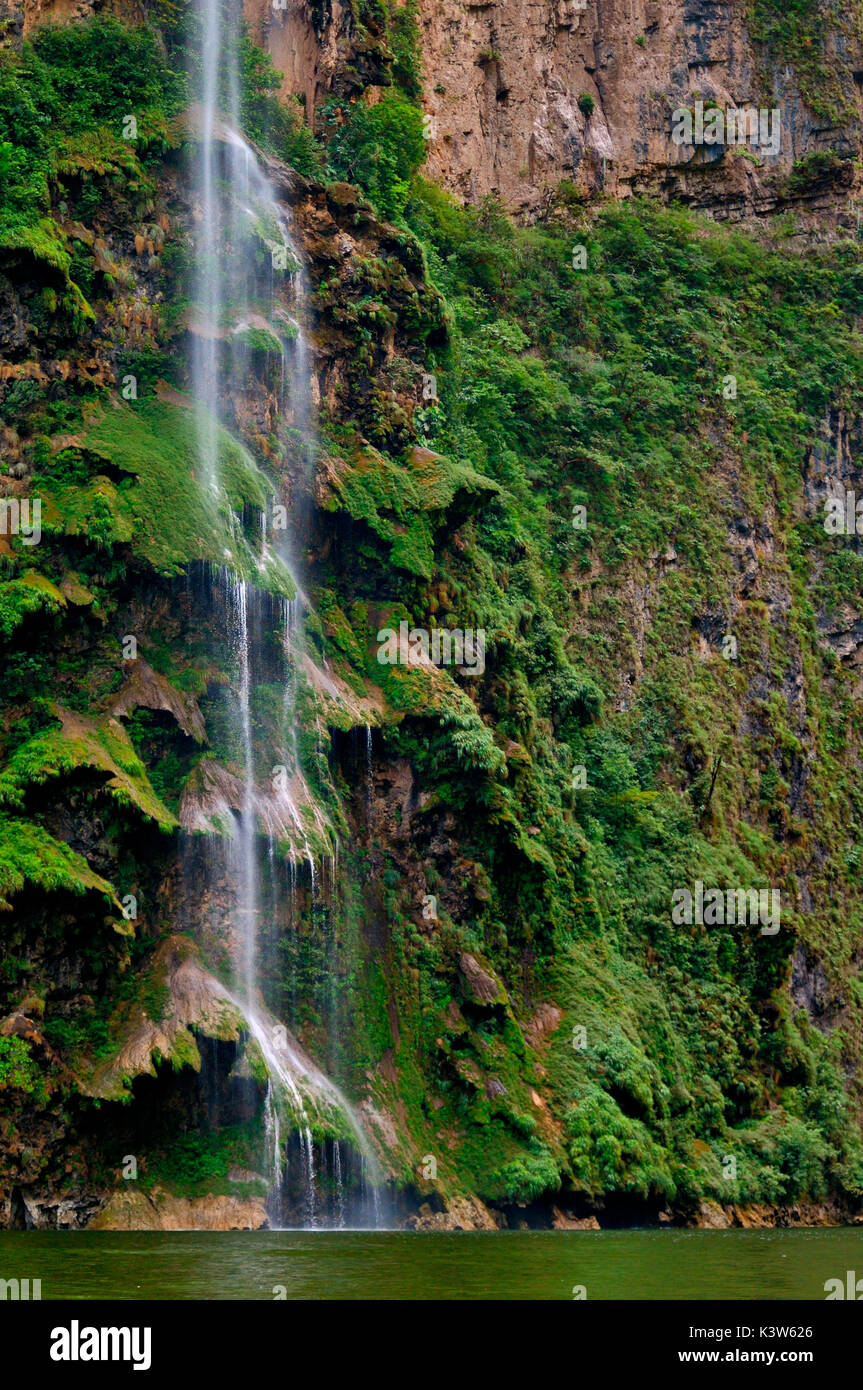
(194, 1164)
(71, 83)
(603, 389)
(401, 502)
(559, 388)
(404, 41)
(18, 1070)
(19, 598)
(819, 167)
(159, 508)
(378, 147)
(83, 743)
(524, 1179)
(610, 1152)
(29, 855)
(276, 124)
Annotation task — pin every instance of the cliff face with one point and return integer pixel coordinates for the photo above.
(525, 93)
(614, 465)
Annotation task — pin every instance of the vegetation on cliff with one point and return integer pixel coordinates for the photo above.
(614, 478)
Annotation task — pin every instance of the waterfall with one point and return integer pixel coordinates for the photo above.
(246, 837)
(249, 288)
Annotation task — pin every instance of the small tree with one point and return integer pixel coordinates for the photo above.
(378, 147)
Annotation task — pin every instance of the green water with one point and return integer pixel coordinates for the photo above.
(372, 1265)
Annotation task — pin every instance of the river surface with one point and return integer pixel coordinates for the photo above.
(429, 1266)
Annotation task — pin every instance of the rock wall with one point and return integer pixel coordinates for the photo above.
(525, 93)
(441, 1007)
(503, 80)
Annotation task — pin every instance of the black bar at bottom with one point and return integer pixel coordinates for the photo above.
(59, 1341)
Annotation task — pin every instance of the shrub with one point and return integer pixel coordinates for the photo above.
(379, 147)
(18, 1070)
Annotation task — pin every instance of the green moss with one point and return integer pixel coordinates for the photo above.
(19, 598)
(29, 855)
(401, 502)
(18, 1069)
(259, 340)
(198, 1164)
(78, 743)
(167, 513)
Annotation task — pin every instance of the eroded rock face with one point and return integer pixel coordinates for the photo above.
(525, 93)
(195, 1000)
(159, 1210)
(462, 1214)
(760, 1216)
(528, 92)
(19, 17)
(510, 122)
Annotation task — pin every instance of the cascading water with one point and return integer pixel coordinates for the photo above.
(242, 240)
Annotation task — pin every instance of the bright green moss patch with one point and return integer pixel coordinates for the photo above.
(19, 598)
(29, 855)
(169, 514)
(402, 502)
(81, 742)
(18, 1070)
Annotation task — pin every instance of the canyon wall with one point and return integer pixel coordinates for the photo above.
(489, 966)
(503, 80)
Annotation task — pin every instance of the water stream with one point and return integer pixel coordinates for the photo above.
(248, 279)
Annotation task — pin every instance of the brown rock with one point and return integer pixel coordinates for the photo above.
(565, 1221)
(146, 688)
(506, 87)
(711, 1216)
(134, 1210)
(543, 1023)
(462, 1214)
(480, 986)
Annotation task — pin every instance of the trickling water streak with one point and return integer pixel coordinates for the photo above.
(370, 786)
(376, 1206)
(311, 1188)
(273, 1136)
(248, 827)
(208, 279)
(337, 1174)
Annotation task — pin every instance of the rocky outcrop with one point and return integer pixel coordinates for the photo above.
(760, 1216)
(147, 689)
(565, 1221)
(194, 1003)
(525, 93)
(462, 1214)
(158, 1210)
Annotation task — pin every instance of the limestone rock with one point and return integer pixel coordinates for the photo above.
(134, 1210)
(565, 1221)
(462, 1214)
